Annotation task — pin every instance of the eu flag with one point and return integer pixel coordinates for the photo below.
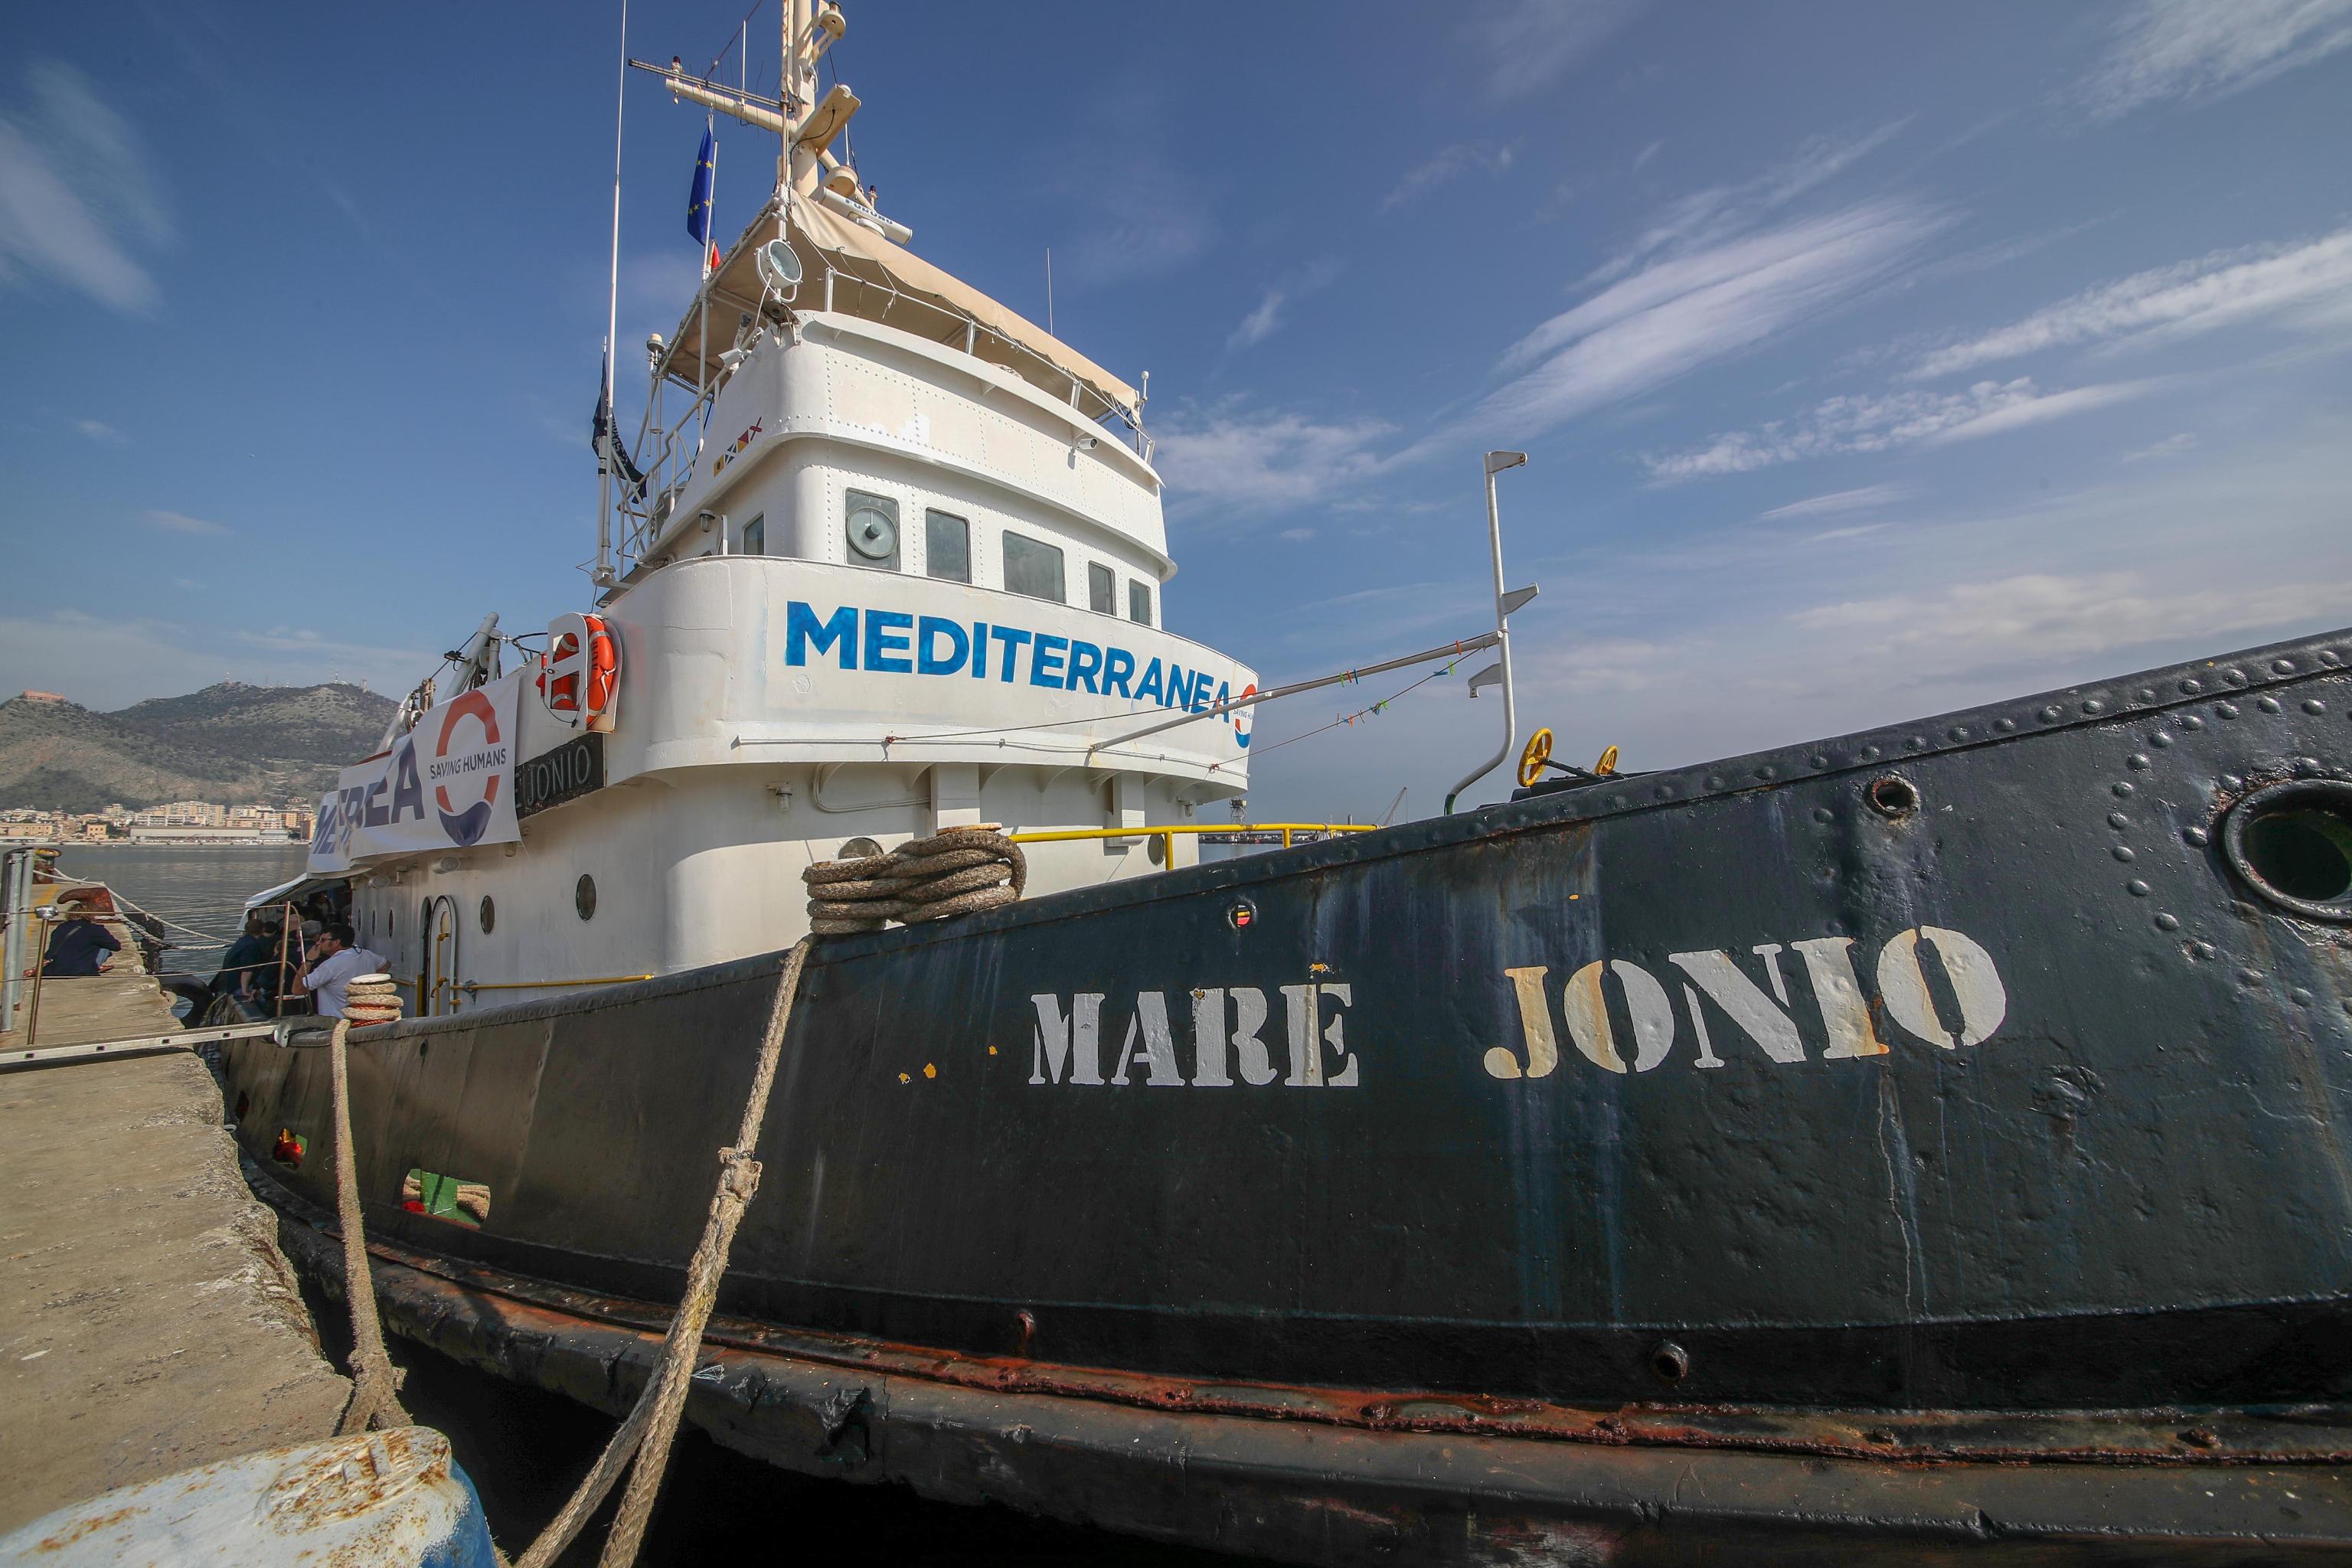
(697, 204)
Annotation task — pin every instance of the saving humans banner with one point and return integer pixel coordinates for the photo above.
(448, 783)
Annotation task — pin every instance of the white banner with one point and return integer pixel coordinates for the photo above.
(448, 783)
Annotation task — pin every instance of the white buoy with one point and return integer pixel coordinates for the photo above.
(391, 1500)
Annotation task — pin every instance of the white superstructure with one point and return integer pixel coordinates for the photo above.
(897, 565)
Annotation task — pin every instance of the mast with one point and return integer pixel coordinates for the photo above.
(603, 577)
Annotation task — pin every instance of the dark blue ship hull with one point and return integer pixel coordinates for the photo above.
(1952, 1117)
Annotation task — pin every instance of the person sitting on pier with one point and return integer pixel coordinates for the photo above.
(78, 945)
(329, 965)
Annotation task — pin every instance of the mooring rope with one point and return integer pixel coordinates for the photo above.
(958, 872)
(375, 1385)
(646, 1433)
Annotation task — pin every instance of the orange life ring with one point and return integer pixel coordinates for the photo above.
(580, 673)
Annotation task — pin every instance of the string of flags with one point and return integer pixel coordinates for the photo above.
(1349, 719)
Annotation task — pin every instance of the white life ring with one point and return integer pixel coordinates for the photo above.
(580, 673)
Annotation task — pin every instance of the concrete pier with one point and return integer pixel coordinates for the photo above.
(148, 1321)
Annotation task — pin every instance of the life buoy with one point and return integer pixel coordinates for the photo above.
(580, 673)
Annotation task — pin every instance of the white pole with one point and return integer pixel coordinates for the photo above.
(611, 330)
(1049, 290)
(1496, 463)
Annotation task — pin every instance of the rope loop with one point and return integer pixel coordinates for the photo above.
(957, 872)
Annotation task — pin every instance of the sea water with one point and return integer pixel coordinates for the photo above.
(200, 888)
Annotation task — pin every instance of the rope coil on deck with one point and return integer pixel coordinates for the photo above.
(958, 872)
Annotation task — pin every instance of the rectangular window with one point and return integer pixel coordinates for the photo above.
(871, 523)
(946, 547)
(1034, 568)
(1102, 589)
(755, 536)
(1138, 603)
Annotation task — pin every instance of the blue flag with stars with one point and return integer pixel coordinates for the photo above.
(697, 204)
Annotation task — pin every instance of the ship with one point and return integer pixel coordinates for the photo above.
(1920, 1143)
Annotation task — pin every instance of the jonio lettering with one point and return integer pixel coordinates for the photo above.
(1719, 993)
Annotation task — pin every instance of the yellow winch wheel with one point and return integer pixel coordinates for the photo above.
(1532, 760)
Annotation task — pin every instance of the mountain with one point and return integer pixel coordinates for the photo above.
(233, 743)
(330, 724)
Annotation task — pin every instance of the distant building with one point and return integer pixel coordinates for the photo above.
(43, 697)
(217, 833)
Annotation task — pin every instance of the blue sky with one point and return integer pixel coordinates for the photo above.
(1871, 360)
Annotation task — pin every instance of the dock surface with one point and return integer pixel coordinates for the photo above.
(148, 1321)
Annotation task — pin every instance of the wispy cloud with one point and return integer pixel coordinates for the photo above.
(76, 194)
(1266, 319)
(1533, 43)
(99, 430)
(1709, 216)
(1678, 314)
(181, 522)
(1446, 165)
(2310, 282)
(1839, 500)
(1261, 322)
(1252, 461)
(2201, 51)
(2042, 616)
(1876, 422)
(2170, 447)
(1853, 530)
(1648, 153)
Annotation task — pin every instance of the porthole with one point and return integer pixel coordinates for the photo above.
(859, 849)
(1893, 796)
(584, 896)
(489, 915)
(2292, 842)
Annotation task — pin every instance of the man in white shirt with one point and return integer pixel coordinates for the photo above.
(331, 965)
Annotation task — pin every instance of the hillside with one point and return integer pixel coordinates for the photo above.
(232, 742)
(330, 724)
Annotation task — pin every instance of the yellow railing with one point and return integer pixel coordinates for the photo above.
(1166, 833)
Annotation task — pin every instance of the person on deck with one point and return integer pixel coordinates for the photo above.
(78, 945)
(242, 966)
(330, 963)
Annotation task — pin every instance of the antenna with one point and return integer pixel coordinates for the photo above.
(1049, 290)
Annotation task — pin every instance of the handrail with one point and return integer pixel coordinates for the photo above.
(1166, 832)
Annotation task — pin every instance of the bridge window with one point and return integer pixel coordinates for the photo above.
(755, 536)
(1034, 568)
(873, 529)
(1102, 589)
(946, 547)
(1138, 603)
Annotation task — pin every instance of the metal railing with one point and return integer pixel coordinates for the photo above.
(1166, 833)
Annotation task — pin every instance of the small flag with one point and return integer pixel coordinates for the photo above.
(698, 200)
(600, 439)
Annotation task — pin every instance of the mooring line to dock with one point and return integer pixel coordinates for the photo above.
(375, 1385)
(652, 1423)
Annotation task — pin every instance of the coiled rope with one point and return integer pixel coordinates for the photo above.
(958, 872)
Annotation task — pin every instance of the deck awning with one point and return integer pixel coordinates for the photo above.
(879, 281)
(295, 892)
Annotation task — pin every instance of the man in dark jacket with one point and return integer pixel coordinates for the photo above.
(248, 957)
(78, 944)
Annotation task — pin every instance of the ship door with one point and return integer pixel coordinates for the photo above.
(436, 969)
